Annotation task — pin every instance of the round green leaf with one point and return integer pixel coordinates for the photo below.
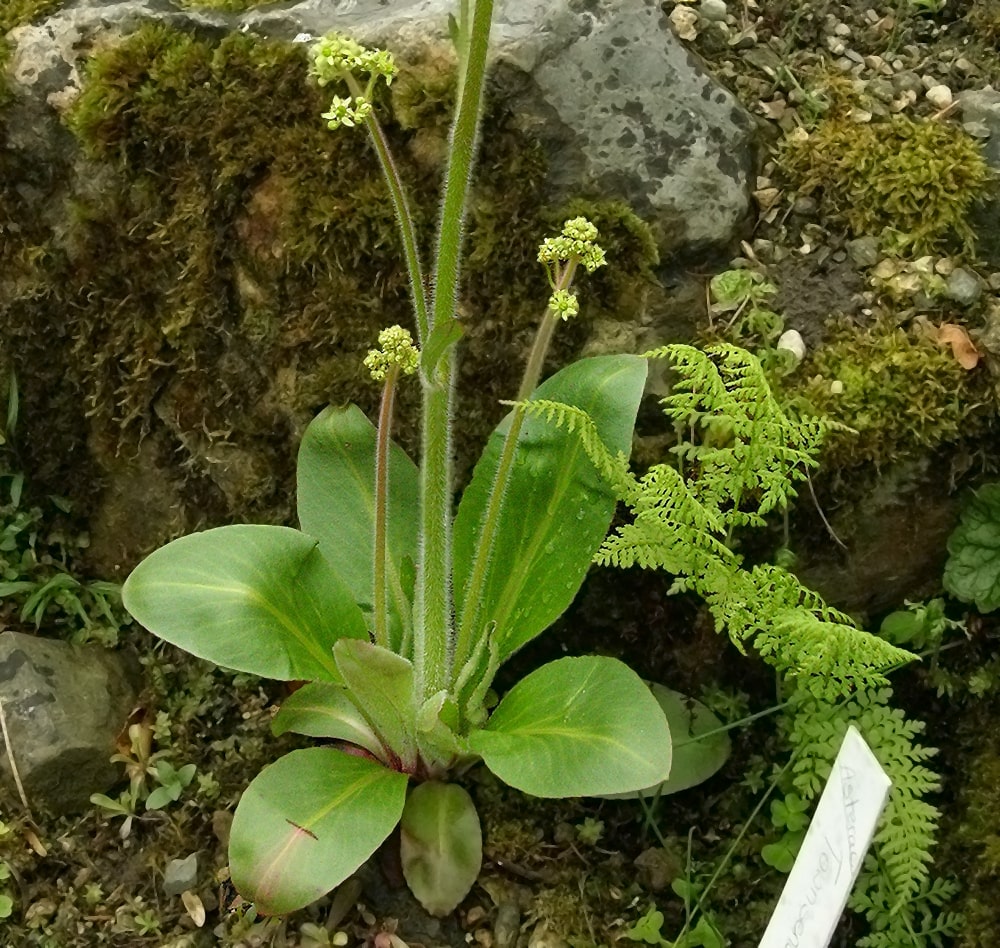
(257, 599)
(307, 822)
(577, 727)
(441, 845)
(700, 747)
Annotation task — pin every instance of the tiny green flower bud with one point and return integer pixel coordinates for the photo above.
(347, 112)
(397, 349)
(564, 304)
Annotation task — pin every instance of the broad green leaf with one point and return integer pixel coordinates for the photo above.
(577, 727)
(256, 599)
(381, 685)
(320, 709)
(557, 509)
(307, 822)
(336, 504)
(441, 845)
(972, 572)
(700, 746)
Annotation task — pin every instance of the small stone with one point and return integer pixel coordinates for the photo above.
(685, 23)
(863, 251)
(939, 96)
(805, 206)
(713, 10)
(842, 30)
(881, 89)
(657, 868)
(791, 341)
(180, 875)
(836, 46)
(908, 81)
(963, 287)
(993, 281)
(965, 66)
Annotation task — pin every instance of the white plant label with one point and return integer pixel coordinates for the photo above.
(833, 849)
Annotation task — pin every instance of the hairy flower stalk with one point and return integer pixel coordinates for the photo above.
(560, 256)
(337, 58)
(397, 356)
(434, 634)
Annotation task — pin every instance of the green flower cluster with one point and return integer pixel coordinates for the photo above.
(347, 112)
(564, 304)
(336, 58)
(576, 242)
(397, 350)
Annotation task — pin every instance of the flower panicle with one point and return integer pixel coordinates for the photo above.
(577, 242)
(338, 58)
(397, 350)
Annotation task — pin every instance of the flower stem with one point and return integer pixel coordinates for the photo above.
(433, 643)
(383, 436)
(404, 218)
(475, 587)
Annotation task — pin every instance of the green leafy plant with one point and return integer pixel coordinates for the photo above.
(739, 296)
(972, 572)
(143, 766)
(398, 615)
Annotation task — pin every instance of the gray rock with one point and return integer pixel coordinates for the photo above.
(963, 287)
(180, 875)
(620, 106)
(863, 251)
(64, 707)
(713, 10)
(981, 108)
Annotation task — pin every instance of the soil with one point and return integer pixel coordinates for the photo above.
(567, 873)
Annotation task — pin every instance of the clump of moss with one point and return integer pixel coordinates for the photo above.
(984, 17)
(899, 394)
(18, 12)
(915, 181)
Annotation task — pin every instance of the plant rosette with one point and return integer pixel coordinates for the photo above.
(398, 614)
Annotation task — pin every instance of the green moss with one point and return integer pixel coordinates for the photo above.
(912, 181)
(18, 12)
(899, 394)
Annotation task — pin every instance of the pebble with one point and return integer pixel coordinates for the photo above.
(863, 251)
(963, 287)
(908, 81)
(939, 96)
(964, 66)
(804, 206)
(180, 875)
(713, 10)
(791, 341)
(881, 89)
(842, 30)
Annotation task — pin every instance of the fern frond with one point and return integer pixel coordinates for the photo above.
(752, 452)
(613, 467)
(898, 865)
